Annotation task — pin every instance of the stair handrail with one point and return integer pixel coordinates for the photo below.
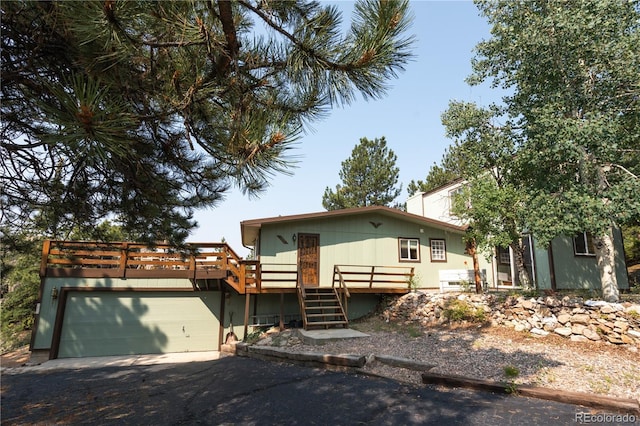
(343, 289)
(343, 285)
(299, 283)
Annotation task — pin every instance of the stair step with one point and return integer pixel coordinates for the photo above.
(331, 314)
(321, 308)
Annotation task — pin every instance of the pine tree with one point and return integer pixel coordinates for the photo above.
(369, 178)
(141, 112)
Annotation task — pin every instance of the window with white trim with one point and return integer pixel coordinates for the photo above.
(438, 250)
(583, 244)
(409, 249)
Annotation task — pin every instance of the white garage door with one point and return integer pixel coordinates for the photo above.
(123, 323)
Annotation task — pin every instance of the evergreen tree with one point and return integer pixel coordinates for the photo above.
(141, 111)
(369, 178)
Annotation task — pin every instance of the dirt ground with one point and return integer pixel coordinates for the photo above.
(15, 358)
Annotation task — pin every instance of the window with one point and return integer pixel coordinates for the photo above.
(504, 256)
(438, 250)
(583, 245)
(409, 249)
(452, 197)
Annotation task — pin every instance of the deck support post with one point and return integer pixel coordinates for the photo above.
(281, 311)
(247, 304)
(223, 297)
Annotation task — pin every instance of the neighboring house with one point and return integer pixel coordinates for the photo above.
(568, 263)
(311, 270)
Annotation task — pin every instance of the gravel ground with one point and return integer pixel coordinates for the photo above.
(488, 353)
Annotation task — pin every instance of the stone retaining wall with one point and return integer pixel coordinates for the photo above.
(571, 317)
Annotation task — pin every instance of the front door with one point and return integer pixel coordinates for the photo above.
(309, 259)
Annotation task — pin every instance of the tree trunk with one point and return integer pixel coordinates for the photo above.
(521, 268)
(473, 251)
(605, 255)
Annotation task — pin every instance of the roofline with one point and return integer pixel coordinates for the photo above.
(441, 187)
(257, 223)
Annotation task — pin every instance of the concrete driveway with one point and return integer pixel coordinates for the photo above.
(247, 391)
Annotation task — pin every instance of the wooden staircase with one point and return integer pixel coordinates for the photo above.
(322, 308)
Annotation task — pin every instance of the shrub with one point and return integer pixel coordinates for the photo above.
(459, 310)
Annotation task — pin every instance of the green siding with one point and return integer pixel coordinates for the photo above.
(543, 271)
(581, 272)
(359, 305)
(48, 306)
(99, 324)
(353, 240)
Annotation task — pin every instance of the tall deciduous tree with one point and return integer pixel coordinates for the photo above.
(574, 68)
(492, 201)
(141, 112)
(369, 178)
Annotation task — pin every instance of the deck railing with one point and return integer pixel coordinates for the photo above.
(202, 261)
(278, 275)
(371, 277)
(129, 260)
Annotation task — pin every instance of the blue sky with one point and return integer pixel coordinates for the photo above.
(408, 117)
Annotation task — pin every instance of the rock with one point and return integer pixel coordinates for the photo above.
(623, 326)
(616, 340)
(633, 308)
(607, 309)
(580, 319)
(563, 331)
(578, 328)
(571, 316)
(634, 333)
(605, 328)
(591, 335)
(539, 331)
(519, 327)
(578, 338)
(626, 339)
(551, 302)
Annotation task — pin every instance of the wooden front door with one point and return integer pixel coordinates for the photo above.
(309, 259)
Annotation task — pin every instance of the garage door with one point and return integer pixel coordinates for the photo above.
(123, 323)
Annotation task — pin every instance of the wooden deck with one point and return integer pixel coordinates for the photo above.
(203, 261)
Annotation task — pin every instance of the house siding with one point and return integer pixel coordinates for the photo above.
(581, 272)
(354, 240)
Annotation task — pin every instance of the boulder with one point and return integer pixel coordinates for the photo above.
(578, 338)
(563, 331)
(590, 334)
(580, 319)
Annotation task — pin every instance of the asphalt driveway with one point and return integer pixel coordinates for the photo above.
(246, 391)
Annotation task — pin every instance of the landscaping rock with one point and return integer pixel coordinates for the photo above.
(563, 331)
(570, 317)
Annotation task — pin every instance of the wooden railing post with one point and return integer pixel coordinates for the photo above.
(373, 269)
(258, 277)
(242, 277)
(193, 265)
(124, 258)
(46, 246)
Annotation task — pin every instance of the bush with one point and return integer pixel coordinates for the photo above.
(21, 280)
(459, 310)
